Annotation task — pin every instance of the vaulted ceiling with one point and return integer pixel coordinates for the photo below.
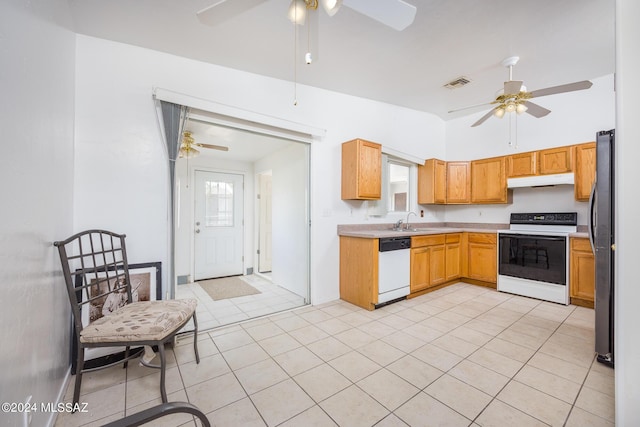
(558, 41)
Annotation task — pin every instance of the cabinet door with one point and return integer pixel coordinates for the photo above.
(482, 257)
(581, 270)
(585, 170)
(452, 256)
(432, 184)
(488, 181)
(556, 160)
(523, 164)
(437, 268)
(458, 182)
(420, 264)
(361, 170)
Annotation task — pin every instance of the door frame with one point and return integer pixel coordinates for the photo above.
(258, 219)
(192, 220)
(248, 120)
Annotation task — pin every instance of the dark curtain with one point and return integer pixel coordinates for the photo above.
(174, 117)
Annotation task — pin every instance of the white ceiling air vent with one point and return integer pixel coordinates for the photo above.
(457, 83)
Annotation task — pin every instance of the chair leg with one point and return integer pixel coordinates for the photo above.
(195, 337)
(126, 357)
(163, 368)
(79, 368)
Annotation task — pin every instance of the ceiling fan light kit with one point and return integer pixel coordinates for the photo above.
(188, 146)
(297, 12)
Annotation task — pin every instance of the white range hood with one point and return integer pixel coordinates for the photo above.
(541, 180)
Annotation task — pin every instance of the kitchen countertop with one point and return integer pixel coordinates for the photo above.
(376, 231)
(579, 234)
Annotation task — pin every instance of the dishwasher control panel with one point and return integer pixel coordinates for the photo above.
(394, 244)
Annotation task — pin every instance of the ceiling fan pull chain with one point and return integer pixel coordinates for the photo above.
(295, 62)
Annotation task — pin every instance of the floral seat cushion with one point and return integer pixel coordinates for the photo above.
(140, 321)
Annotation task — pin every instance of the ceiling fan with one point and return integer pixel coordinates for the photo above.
(187, 147)
(515, 97)
(396, 14)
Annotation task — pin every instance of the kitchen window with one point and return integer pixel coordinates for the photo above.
(398, 179)
(398, 184)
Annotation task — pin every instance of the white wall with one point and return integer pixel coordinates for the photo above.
(184, 218)
(121, 156)
(627, 341)
(289, 200)
(575, 118)
(36, 170)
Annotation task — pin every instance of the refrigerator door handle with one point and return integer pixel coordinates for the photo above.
(592, 214)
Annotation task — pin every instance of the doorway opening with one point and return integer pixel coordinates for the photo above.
(242, 225)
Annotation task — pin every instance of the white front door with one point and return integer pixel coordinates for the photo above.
(218, 220)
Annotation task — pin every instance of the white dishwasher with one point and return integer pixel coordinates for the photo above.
(394, 264)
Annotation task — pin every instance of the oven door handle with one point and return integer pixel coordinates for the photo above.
(532, 237)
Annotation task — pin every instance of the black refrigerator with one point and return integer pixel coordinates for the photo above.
(601, 235)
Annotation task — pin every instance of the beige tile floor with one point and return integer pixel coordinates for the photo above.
(461, 356)
(212, 314)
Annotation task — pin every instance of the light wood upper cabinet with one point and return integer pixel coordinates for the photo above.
(361, 170)
(556, 160)
(458, 183)
(488, 181)
(522, 164)
(432, 182)
(481, 257)
(585, 170)
(581, 271)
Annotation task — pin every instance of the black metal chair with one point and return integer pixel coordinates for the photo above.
(96, 272)
(159, 411)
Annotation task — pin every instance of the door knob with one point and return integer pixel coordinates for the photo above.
(197, 230)
(198, 223)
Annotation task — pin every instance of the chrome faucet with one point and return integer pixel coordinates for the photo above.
(406, 226)
(398, 225)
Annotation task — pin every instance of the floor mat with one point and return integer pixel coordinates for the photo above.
(227, 287)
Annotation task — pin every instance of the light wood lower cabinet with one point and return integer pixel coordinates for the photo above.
(481, 258)
(582, 272)
(453, 256)
(359, 271)
(428, 266)
(435, 260)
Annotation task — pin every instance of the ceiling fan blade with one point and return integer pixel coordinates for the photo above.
(470, 106)
(512, 87)
(224, 10)
(484, 118)
(396, 14)
(213, 147)
(535, 110)
(570, 87)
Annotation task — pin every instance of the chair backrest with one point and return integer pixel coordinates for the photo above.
(96, 272)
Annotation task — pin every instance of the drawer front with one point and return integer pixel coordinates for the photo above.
(580, 244)
(489, 238)
(453, 238)
(419, 241)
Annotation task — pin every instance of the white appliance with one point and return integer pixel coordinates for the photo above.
(533, 255)
(394, 264)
